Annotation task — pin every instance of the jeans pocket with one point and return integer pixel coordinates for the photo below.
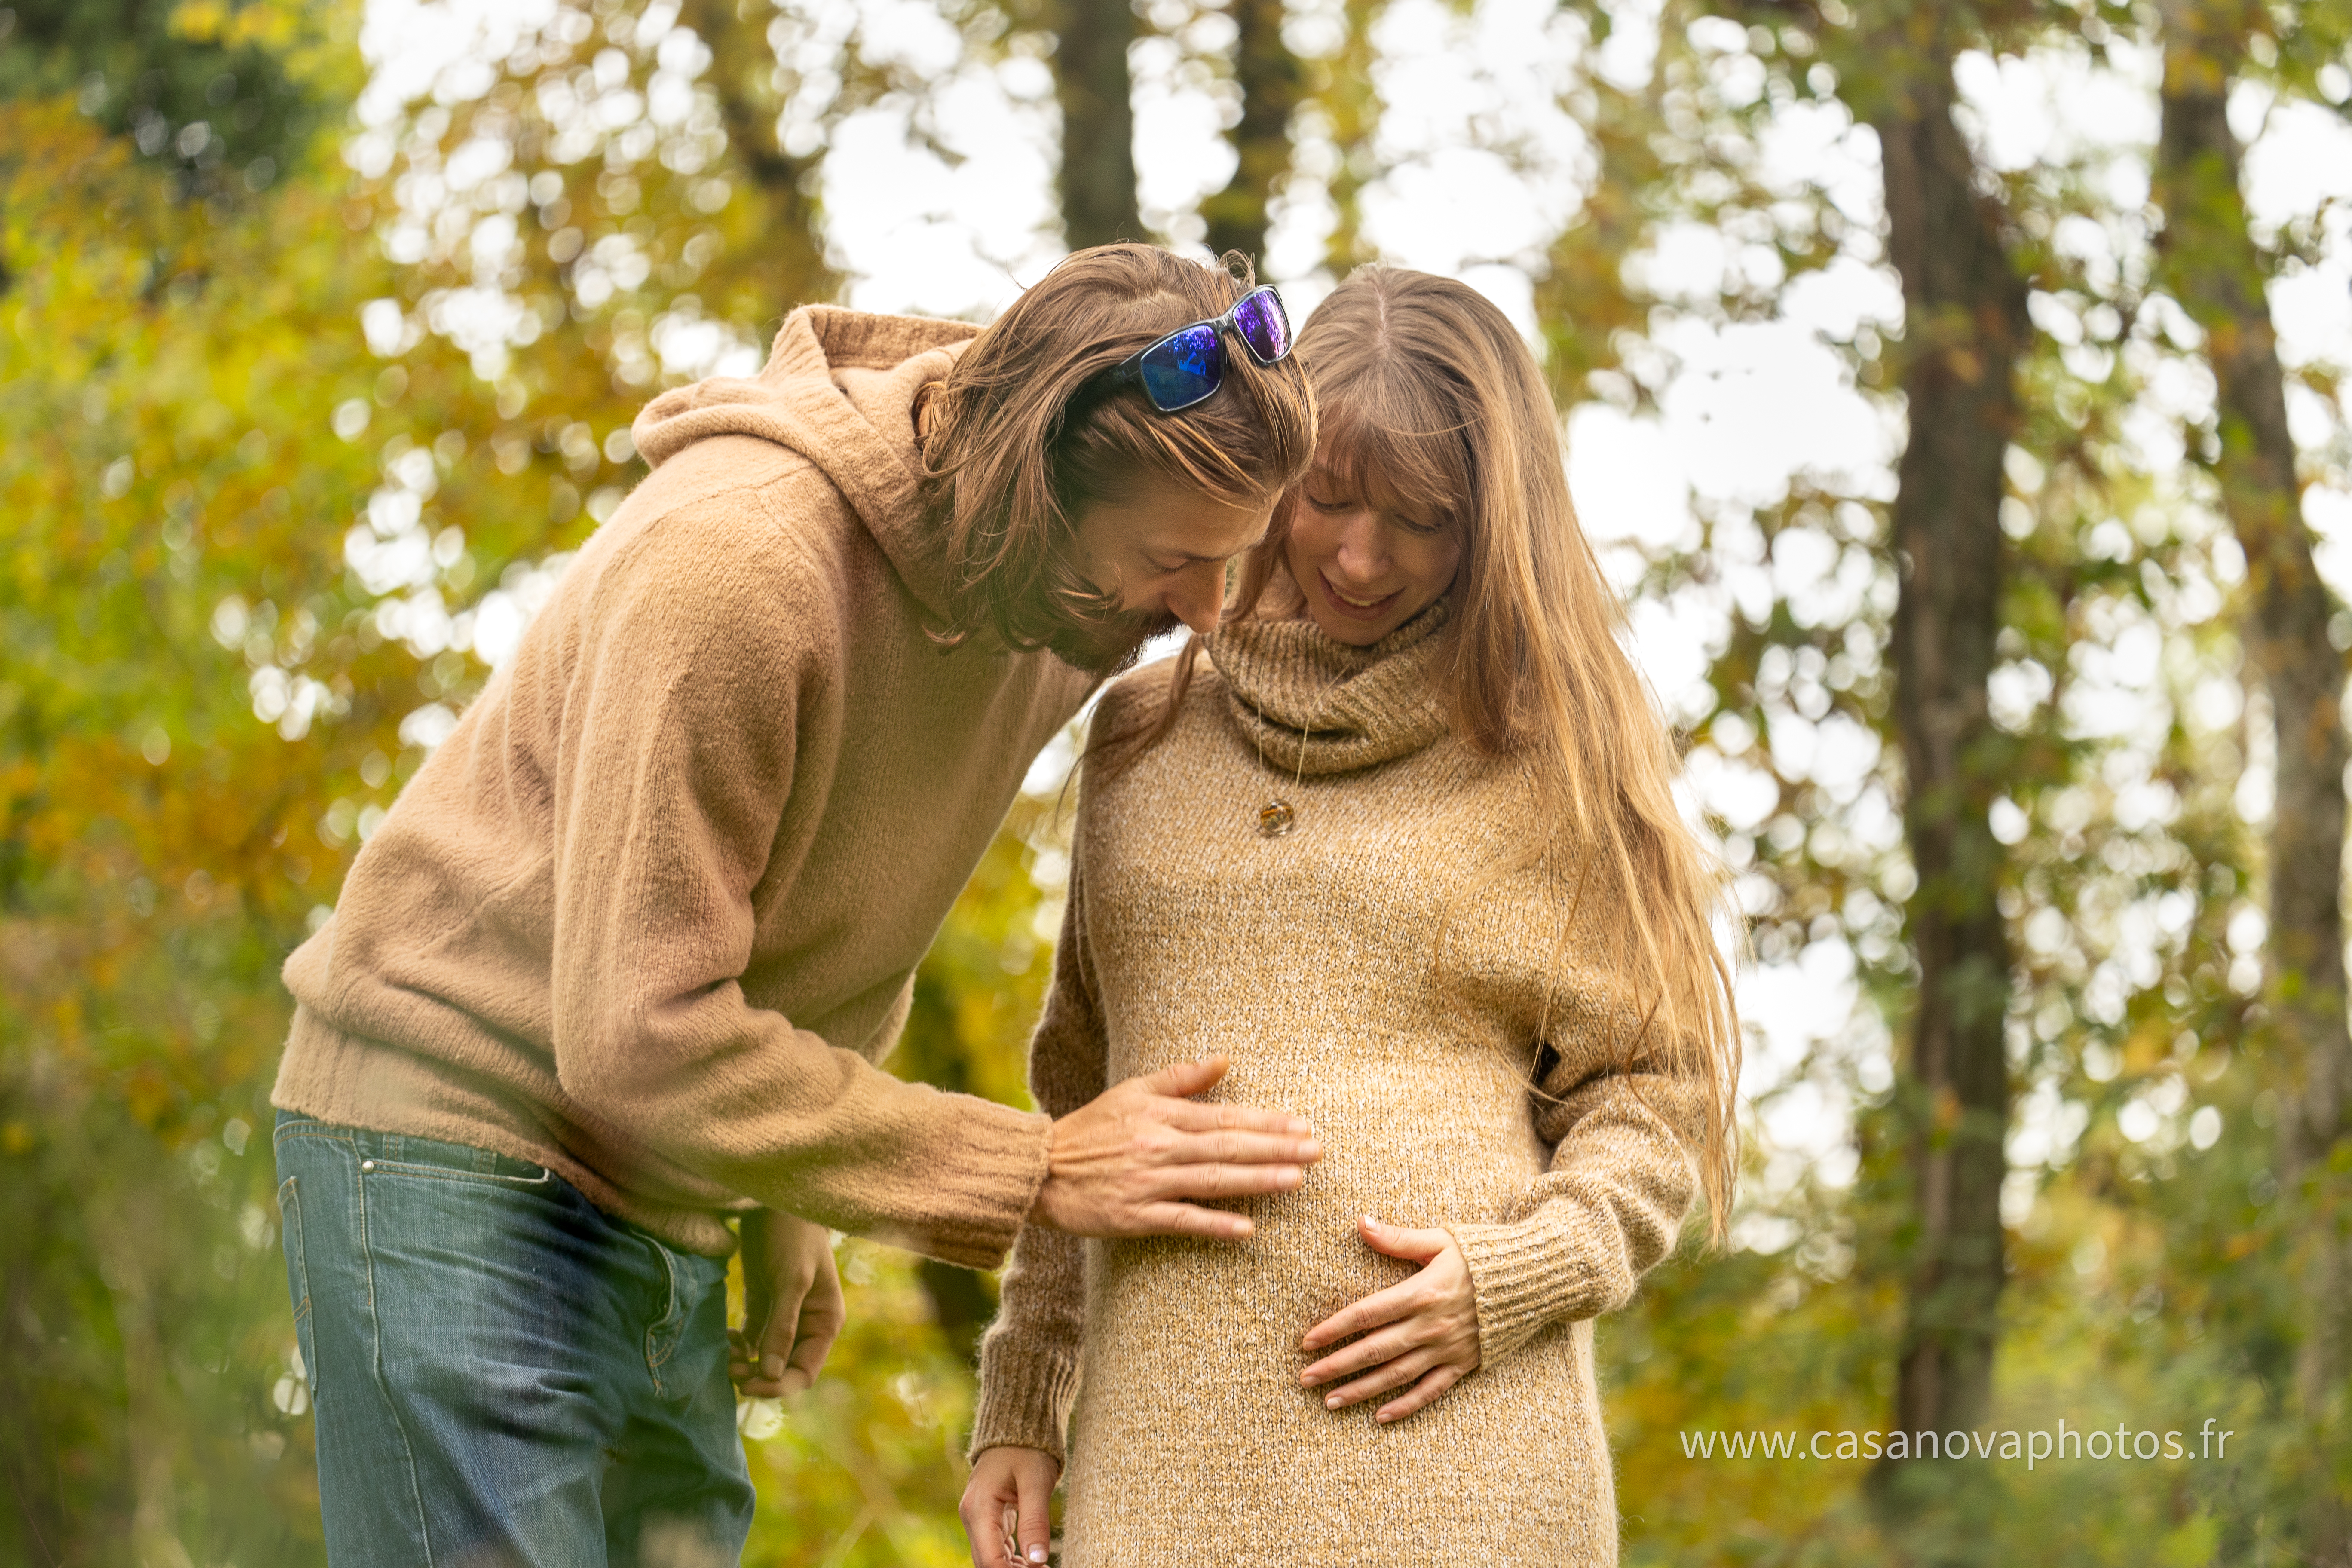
(687, 1290)
(297, 1279)
(429, 1159)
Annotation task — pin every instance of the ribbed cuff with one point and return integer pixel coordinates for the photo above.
(1524, 1277)
(1024, 1399)
(979, 1185)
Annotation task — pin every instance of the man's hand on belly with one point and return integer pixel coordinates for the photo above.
(1427, 1338)
(1126, 1163)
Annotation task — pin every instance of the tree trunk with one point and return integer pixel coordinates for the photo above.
(1272, 85)
(2216, 273)
(1341, 86)
(1098, 177)
(1965, 320)
(123, 1230)
(743, 73)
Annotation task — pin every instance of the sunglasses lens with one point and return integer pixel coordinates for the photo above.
(1260, 319)
(1182, 368)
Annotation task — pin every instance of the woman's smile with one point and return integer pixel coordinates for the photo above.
(1356, 606)
(1342, 549)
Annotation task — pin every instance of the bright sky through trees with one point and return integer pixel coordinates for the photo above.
(945, 206)
(309, 425)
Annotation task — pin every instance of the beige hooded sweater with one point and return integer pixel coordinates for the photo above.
(652, 912)
(1478, 1086)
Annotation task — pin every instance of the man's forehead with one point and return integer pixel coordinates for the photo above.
(1209, 531)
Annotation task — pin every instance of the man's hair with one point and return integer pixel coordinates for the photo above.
(1010, 465)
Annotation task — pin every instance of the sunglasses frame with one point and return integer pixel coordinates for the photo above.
(1129, 371)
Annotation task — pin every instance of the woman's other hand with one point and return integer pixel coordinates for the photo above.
(793, 1310)
(1426, 1329)
(1004, 1507)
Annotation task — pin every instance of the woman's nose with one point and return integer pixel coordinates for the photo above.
(1363, 552)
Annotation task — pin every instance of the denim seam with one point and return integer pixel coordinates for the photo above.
(382, 1383)
(656, 1362)
(289, 1222)
(306, 1129)
(444, 1174)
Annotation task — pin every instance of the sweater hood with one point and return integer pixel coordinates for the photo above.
(839, 388)
(1312, 705)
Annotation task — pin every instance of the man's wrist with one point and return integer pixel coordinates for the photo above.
(1043, 1203)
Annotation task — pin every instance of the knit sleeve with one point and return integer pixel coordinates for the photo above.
(1029, 1361)
(1610, 1206)
(678, 742)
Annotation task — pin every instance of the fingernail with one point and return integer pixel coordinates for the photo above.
(1036, 1554)
(1313, 1150)
(1331, 1401)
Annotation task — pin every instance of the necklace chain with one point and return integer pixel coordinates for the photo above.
(1277, 818)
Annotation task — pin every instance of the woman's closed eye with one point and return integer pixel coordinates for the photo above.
(1339, 502)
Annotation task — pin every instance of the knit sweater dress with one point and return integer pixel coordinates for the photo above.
(1449, 1085)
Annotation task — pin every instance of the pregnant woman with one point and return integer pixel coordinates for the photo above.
(1405, 848)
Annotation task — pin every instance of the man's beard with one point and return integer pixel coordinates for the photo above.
(1105, 644)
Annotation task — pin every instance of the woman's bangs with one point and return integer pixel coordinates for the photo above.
(1402, 458)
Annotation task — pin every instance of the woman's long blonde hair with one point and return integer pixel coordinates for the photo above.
(1429, 403)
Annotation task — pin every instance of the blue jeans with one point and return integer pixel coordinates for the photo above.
(504, 1377)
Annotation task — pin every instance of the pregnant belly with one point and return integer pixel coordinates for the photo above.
(1193, 1431)
(1416, 1143)
(1307, 1261)
(1417, 1129)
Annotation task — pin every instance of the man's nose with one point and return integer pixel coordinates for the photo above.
(1198, 597)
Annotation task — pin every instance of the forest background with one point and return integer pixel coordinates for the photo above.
(1955, 390)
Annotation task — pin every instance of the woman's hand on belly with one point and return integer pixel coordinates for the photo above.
(1425, 1329)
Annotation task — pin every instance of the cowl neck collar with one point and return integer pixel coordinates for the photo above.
(1312, 706)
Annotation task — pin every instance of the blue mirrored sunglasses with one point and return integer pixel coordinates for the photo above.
(1189, 363)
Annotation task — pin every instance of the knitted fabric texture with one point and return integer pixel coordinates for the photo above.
(652, 912)
(1474, 1084)
(1312, 706)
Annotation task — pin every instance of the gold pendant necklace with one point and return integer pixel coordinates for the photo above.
(1277, 818)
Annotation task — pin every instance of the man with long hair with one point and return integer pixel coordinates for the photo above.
(618, 967)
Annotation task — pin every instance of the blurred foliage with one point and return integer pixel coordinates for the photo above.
(2146, 1273)
(222, 97)
(272, 508)
(307, 410)
(160, 849)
